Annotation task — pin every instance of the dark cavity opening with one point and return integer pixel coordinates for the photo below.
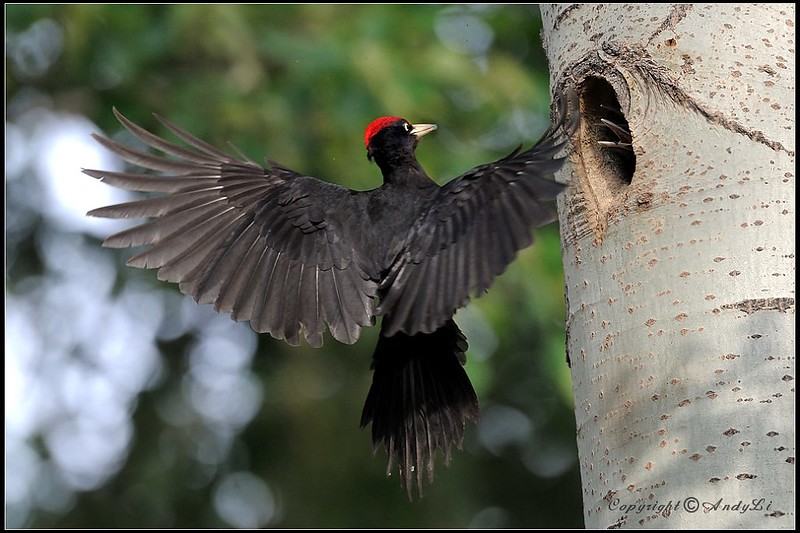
(608, 129)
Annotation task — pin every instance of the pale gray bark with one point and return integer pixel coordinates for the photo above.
(680, 284)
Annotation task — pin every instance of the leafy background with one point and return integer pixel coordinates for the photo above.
(127, 405)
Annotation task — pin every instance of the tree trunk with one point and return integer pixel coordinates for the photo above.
(680, 273)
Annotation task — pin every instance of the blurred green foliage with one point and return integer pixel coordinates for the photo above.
(298, 83)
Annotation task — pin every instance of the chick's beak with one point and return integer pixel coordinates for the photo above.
(422, 129)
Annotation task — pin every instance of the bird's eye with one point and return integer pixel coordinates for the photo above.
(408, 127)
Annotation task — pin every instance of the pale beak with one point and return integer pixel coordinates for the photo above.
(422, 129)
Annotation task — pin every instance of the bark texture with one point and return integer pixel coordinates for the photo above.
(680, 269)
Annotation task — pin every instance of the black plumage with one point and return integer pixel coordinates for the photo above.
(294, 256)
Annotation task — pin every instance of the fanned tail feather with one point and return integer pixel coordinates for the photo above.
(419, 401)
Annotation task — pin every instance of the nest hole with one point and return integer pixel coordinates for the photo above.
(610, 142)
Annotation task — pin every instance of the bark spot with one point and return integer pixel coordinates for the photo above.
(731, 432)
(710, 448)
(742, 477)
(619, 523)
(684, 403)
(695, 457)
(607, 343)
(644, 200)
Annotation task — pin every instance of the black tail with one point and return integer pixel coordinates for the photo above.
(419, 400)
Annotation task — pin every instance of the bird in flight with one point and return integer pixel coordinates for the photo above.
(295, 256)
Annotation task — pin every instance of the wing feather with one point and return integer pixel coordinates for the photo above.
(474, 229)
(265, 244)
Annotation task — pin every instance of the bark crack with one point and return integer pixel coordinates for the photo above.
(676, 14)
(638, 59)
(761, 304)
(564, 14)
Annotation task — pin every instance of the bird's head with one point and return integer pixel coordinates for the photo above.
(389, 137)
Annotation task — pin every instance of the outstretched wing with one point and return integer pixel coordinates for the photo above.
(267, 245)
(477, 225)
